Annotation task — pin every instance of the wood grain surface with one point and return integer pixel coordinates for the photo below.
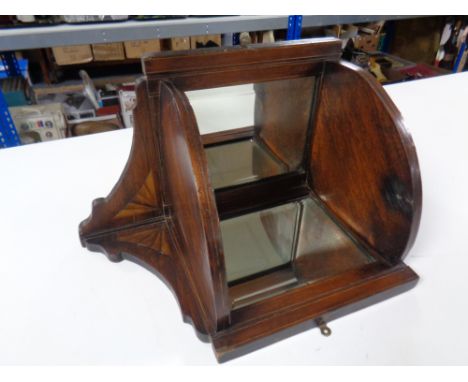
(344, 147)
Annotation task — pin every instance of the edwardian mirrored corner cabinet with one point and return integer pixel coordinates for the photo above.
(300, 210)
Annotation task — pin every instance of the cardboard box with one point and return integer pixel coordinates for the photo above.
(136, 49)
(180, 43)
(39, 123)
(108, 52)
(203, 41)
(72, 54)
(127, 100)
(367, 43)
(94, 125)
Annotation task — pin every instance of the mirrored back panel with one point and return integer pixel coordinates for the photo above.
(278, 113)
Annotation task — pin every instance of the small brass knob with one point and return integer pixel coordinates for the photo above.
(324, 329)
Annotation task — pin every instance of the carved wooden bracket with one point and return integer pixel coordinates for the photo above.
(345, 156)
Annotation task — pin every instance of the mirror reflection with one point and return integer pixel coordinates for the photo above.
(289, 244)
(278, 113)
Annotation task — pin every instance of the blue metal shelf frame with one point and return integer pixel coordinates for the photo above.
(8, 134)
(294, 27)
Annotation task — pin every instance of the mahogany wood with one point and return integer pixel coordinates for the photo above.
(192, 206)
(364, 165)
(348, 150)
(227, 136)
(207, 60)
(269, 192)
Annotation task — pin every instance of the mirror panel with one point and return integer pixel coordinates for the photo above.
(252, 244)
(278, 113)
(286, 246)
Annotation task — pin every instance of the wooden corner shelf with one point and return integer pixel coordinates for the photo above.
(269, 228)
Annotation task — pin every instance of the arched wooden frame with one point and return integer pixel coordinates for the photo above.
(360, 164)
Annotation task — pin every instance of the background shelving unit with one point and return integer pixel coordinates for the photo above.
(38, 43)
(67, 34)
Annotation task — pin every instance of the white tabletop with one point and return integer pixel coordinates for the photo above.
(61, 304)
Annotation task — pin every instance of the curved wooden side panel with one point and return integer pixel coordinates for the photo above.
(136, 197)
(190, 200)
(363, 161)
(168, 225)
